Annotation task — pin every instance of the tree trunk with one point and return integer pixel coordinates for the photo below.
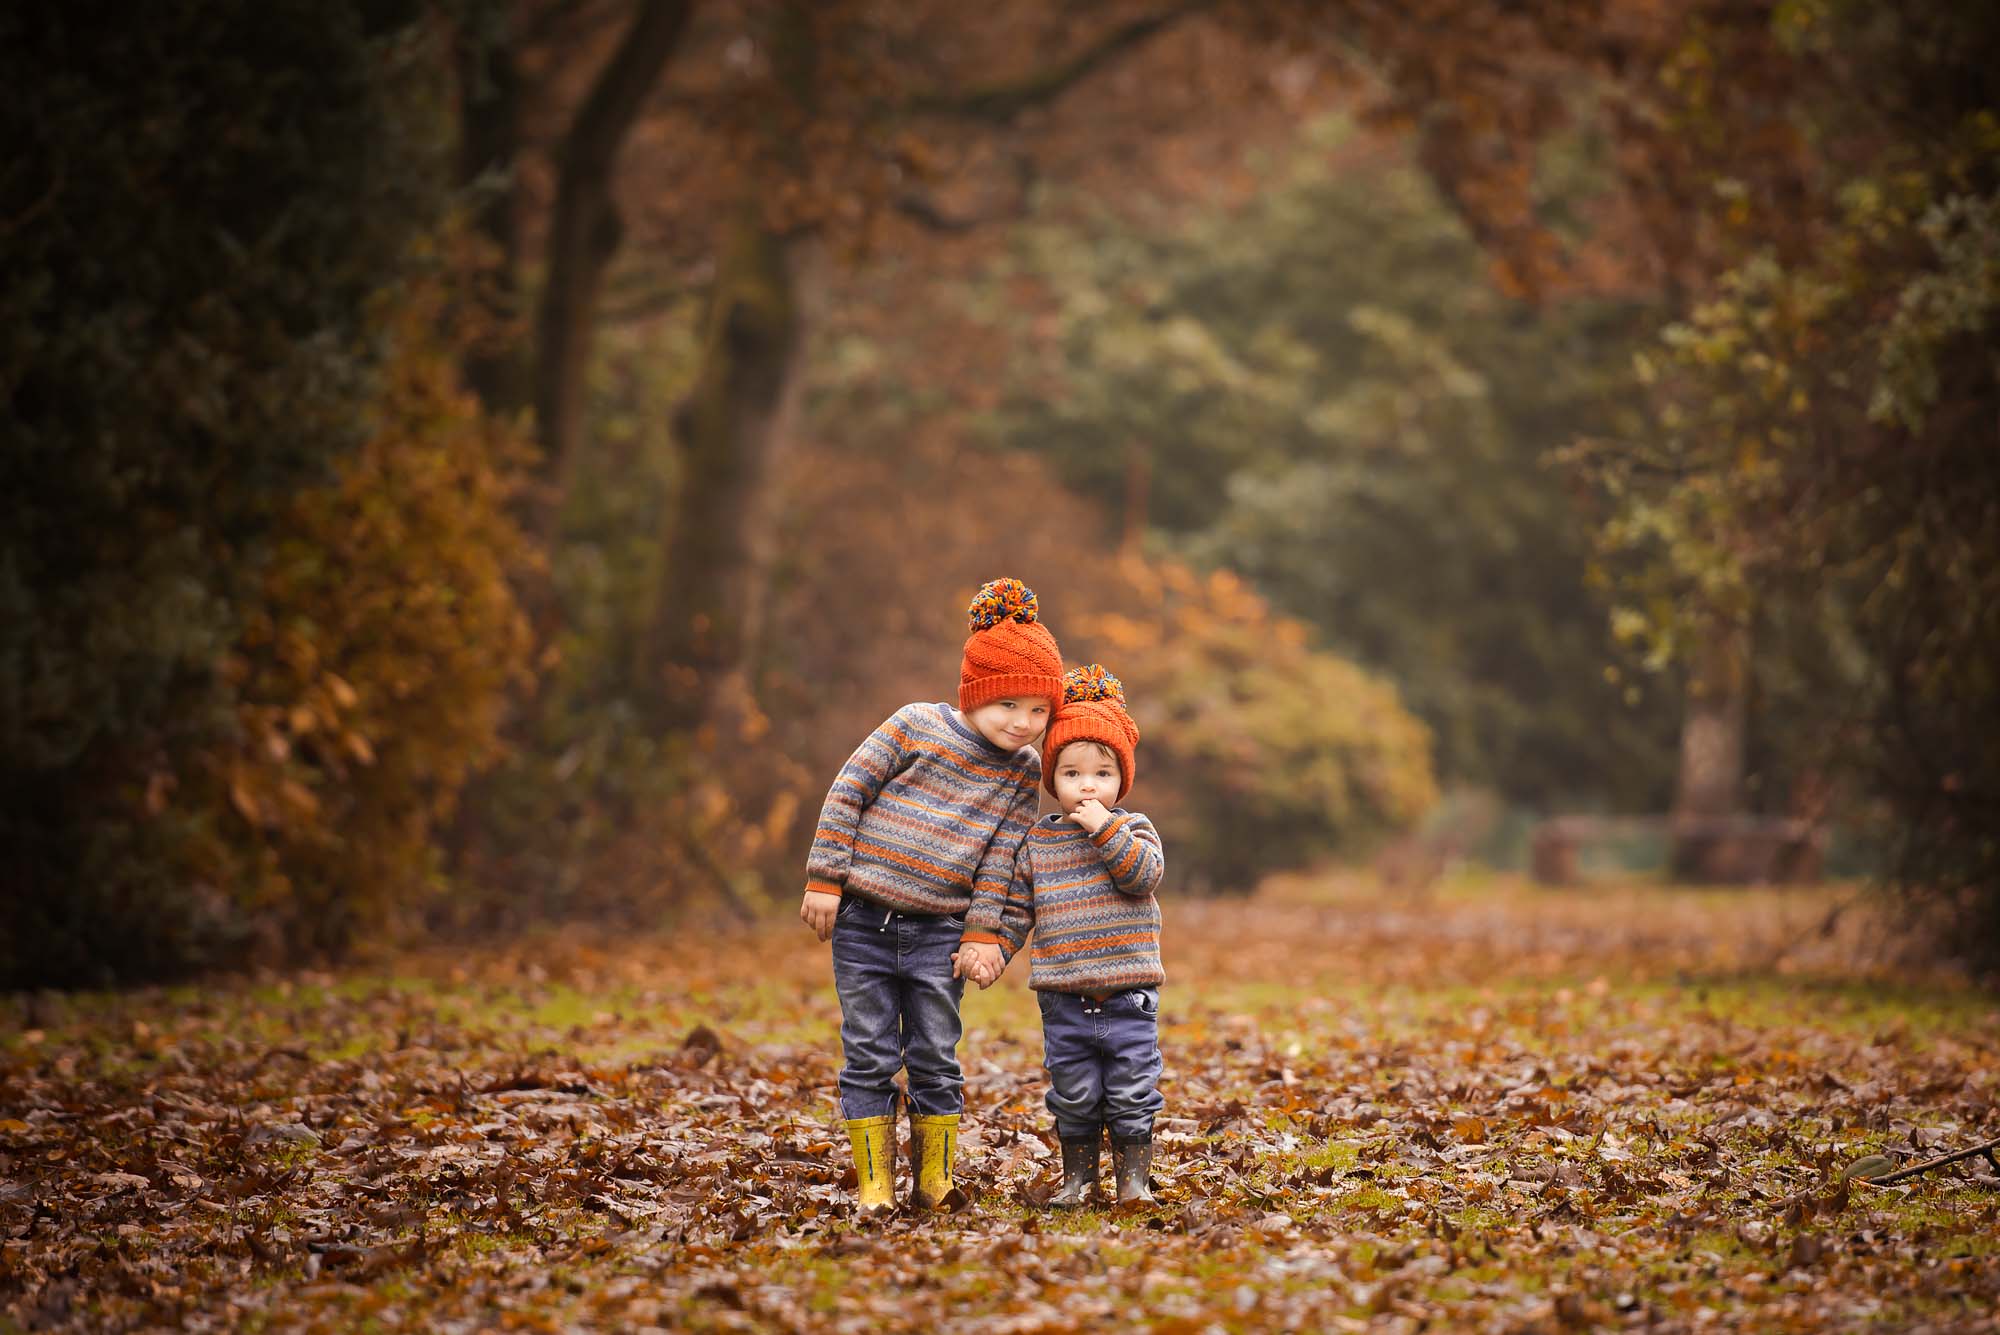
(584, 231)
(736, 421)
(489, 101)
(1710, 787)
(732, 430)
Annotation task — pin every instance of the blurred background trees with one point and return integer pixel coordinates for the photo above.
(1814, 514)
(254, 620)
(480, 463)
(1320, 391)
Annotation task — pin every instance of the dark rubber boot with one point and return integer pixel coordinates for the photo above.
(1132, 1164)
(1079, 1173)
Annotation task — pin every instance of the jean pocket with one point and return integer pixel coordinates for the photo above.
(1146, 1000)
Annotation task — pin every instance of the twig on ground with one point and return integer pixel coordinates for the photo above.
(1821, 926)
(1913, 1170)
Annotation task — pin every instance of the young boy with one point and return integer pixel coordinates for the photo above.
(1084, 883)
(930, 808)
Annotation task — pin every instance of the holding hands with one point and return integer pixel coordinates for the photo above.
(980, 961)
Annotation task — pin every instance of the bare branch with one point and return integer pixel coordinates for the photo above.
(621, 88)
(1000, 103)
(572, 21)
(919, 206)
(584, 227)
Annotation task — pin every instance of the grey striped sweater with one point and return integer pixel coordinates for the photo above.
(1088, 899)
(922, 813)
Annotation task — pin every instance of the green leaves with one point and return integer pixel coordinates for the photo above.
(1822, 472)
(1331, 401)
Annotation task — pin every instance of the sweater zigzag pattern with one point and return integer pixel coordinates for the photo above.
(922, 813)
(1089, 900)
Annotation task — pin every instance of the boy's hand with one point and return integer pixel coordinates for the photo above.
(818, 911)
(987, 966)
(981, 961)
(1091, 814)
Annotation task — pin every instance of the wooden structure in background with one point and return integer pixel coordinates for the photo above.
(1725, 850)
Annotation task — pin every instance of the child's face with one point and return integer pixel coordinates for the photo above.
(1011, 724)
(1085, 770)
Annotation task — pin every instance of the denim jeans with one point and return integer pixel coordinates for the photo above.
(898, 1008)
(1103, 1060)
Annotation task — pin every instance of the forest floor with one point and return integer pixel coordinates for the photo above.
(1486, 1107)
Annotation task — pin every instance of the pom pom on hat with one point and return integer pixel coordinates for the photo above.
(1091, 683)
(1002, 600)
(1010, 654)
(1093, 710)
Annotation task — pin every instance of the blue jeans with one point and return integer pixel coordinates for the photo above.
(898, 1008)
(1103, 1060)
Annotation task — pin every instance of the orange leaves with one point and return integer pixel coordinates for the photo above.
(362, 1147)
(1248, 728)
(370, 676)
(918, 156)
(245, 801)
(1261, 751)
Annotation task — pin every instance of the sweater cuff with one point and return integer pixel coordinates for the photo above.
(815, 885)
(1106, 830)
(977, 938)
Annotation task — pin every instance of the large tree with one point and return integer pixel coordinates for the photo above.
(200, 203)
(1825, 487)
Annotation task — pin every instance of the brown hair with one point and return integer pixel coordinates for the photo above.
(1102, 750)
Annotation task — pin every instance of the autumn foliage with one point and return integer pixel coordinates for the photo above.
(1820, 479)
(372, 674)
(1263, 753)
(1499, 1111)
(472, 471)
(299, 646)
(194, 247)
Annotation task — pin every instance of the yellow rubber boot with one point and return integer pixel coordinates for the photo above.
(933, 1146)
(874, 1162)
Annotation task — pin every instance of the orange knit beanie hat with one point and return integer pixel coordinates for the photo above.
(1010, 654)
(1093, 710)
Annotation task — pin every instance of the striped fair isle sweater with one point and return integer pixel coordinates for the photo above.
(924, 812)
(1088, 899)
